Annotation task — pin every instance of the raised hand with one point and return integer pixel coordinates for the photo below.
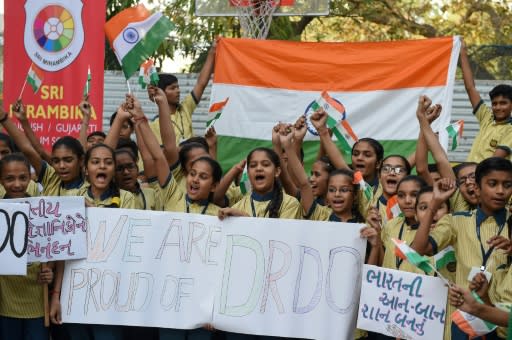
(319, 119)
(211, 136)
(19, 111)
(300, 129)
(286, 135)
(157, 95)
(443, 190)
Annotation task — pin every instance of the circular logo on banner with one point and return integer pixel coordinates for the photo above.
(309, 111)
(130, 35)
(54, 28)
(54, 33)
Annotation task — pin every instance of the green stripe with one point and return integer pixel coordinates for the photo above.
(446, 259)
(146, 46)
(32, 82)
(231, 150)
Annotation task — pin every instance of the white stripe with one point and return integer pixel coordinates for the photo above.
(383, 115)
(122, 47)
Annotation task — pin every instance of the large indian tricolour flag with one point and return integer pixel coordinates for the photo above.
(378, 84)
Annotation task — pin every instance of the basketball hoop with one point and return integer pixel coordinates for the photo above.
(255, 16)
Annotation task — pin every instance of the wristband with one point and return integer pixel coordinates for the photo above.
(4, 119)
(53, 292)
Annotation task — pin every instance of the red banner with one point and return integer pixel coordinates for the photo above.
(55, 42)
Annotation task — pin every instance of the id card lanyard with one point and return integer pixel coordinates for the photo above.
(486, 254)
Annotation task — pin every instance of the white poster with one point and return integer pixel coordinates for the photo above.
(401, 304)
(144, 268)
(57, 228)
(13, 238)
(290, 278)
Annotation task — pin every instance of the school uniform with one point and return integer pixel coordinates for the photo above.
(21, 306)
(468, 233)
(256, 205)
(181, 119)
(53, 185)
(491, 134)
(32, 189)
(147, 199)
(125, 200)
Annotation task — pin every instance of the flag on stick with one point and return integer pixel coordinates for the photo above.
(455, 132)
(471, 325)
(392, 208)
(403, 251)
(444, 257)
(87, 86)
(215, 112)
(336, 121)
(245, 184)
(363, 186)
(135, 34)
(35, 78)
(148, 74)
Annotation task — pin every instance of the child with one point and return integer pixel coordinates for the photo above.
(127, 173)
(320, 172)
(267, 198)
(100, 165)
(181, 113)
(21, 307)
(495, 122)
(15, 175)
(477, 235)
(402, 227)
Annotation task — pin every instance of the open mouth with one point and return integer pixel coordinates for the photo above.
(193, 189)
(101, 178)
(259, 178)
(359, 167)
(391, 182)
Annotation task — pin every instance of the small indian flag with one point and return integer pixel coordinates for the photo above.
(148, 74)
(87, 82)
(35, 77)
(215, 112)
(444, 257)
(245, 184)
(471, 325)
(455, 132)
(363, 186)
(135, 34)
(392, 208)
(403, 251)
(336, 121)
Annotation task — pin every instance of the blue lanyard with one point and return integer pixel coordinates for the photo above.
(254, 209)
(486, 255)
(202, 211)
(398, 261)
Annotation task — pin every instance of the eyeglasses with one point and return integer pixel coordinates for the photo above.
(463, 180)
(397, 170)
(129, 167)
(342, 190)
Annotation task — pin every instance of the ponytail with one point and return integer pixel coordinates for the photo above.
(275, 203)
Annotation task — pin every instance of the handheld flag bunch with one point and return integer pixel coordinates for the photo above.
(363, 186)
(392, 208)
(245, 184)
(336, 121)
(470, 324)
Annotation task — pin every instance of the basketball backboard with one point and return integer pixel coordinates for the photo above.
(221, 8)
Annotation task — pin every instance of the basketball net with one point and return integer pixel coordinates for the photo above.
(255, 16)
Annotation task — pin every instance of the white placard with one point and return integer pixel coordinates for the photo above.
(290, 278)
(401, 304)
(144, 268)
(57, 228)
(13, 238)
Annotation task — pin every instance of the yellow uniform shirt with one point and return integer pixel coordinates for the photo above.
(255, 205)
(53, 186)
(182, 120)
(175, 199)
(147, 199)
(125, 200)
(461, 230)
(319, 212)
(500, 291)
(491, 134)
(458, 203)
(398, 228)
(21, 296)
(365, 203)
(233, 195)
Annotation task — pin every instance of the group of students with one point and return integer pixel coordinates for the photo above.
(168, 169)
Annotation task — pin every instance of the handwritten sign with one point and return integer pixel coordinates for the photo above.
(144, 269)
(401, 304)
(57, 228)
(13, 238)
(247, 275)
(293, 278)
